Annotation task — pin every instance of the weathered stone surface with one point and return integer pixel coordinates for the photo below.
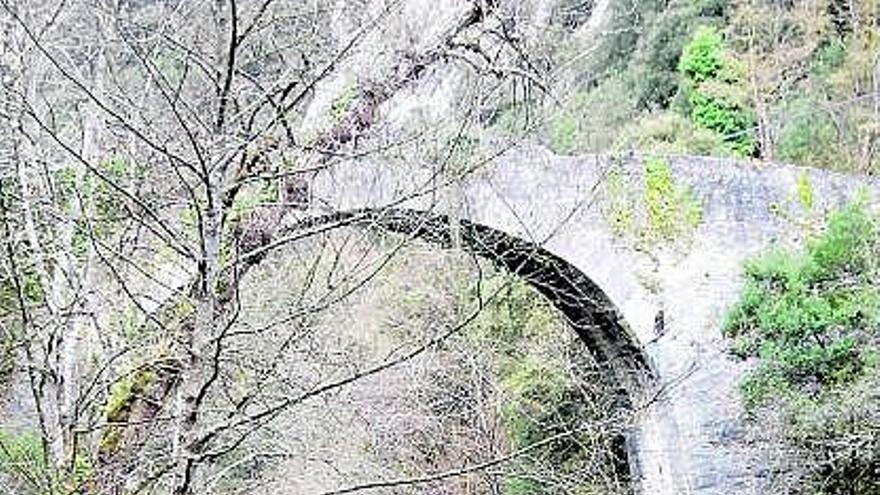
(690, 439)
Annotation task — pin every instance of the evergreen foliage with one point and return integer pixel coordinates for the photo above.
(811, 320)
(712, 85)
(810, 316)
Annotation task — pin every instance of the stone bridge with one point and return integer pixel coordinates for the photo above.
(652, 315)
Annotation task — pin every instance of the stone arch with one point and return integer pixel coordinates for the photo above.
(585, 306)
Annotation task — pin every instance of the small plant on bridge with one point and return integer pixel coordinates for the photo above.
(811, 320)
(800, 208)
(664, 211)
(672, 209)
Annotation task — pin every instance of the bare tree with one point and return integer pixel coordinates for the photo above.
(158, 149)
(776, 42)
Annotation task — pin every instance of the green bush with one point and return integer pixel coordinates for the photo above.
(343, 102)
(848, 249)
(667, 133)
(809, 136)
(811, 320)
(124, 391)
(810, 316)
(725, 117)
(702, 58)
(714, 94)
(249, 198)
(590, 121)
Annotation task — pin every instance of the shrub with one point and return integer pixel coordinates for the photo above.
(251, 197)
(668, 133)
(663, 211)
(848, 248)
(120, 400)
(811, 319)
(810, 316)
(726, 117)
(651, 33)
(714, 93)
(702, 58)
(591, 120)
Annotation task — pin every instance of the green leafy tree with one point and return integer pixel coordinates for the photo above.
(655, 78)
(713, 88)
(811, 316)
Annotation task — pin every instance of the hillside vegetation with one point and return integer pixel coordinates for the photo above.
(810, 319)
(175, 321)
(795, 82)
(791, 81)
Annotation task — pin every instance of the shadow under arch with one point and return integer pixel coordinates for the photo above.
(585, 306)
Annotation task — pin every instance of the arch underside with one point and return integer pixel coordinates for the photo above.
(585, 306)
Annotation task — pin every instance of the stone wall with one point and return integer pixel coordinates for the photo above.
(690, 440)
